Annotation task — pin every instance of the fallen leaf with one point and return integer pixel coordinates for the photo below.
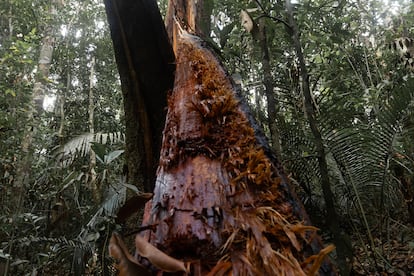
(126, 264)
(158, 258)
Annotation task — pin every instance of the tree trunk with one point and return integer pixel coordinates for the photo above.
(60, 106)
(23, 170)
(10, 23)
(268, 83)
(61, 97)
(221, 201)
(344, 248)
(146, 67)
(93, 183)
(35, 111)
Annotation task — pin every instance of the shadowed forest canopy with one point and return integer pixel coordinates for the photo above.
(208, 137)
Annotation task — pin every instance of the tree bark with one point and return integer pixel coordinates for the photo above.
(93, 183)
(35, 111)
(146, 66)
(221, 201)
(268, 83)
(60, 106)
(23, 170)
(344, 248)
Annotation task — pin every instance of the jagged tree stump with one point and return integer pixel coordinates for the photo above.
(221, 203)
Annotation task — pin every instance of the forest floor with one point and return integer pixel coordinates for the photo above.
(393, 256)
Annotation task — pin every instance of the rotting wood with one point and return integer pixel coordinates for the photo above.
(221, 203)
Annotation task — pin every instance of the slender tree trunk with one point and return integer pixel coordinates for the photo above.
(93, 184)
(60, 106)
(36, 109)
(61, 99)
(268, 83)
(34, 113)
(204, 19)
(23, 170)
(10, 23)
(344, 248)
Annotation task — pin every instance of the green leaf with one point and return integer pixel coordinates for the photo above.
(112, 156)
(132, 187)
(91, 237)
(10, 92)
(100, 151)
(18, 262)
(4, 255)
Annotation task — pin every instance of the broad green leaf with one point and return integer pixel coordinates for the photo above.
(100, 151)
(112, 156)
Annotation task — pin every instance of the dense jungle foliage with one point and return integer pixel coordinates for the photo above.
(62, 127)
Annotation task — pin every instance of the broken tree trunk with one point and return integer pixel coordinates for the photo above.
(221, 203)
(146, 67)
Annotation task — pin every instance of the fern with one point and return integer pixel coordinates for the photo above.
(107, 209)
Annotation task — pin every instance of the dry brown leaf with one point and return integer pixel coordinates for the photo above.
(318, 259)
(158, 258)
(126, 264)
(292, 237)
(221, 268)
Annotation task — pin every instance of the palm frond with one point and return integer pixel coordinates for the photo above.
(91, 232)
(300, 158)
(359, 152)
(108, 209)
(80, 145)
(362, 153)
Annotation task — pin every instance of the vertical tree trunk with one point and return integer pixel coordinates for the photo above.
(60, 106)
(216, 189)
(204, 8)
(96, 193)
(344, 248)
(61, 98)
(23, 170)
(35, 111)
(195, 15)
(146, 66)
(10, 23)
(221, 202)
(268, 83)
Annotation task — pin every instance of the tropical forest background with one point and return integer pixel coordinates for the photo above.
(62, 123)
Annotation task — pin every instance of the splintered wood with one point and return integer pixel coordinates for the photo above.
(219, 204)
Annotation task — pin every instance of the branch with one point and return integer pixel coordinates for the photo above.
(278, 20)
(266, 14)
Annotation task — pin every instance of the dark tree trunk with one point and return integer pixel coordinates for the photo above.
(268, 83)
(221, 201)
(146, 66)
(341, 240)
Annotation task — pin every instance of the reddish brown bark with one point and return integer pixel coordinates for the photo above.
(221, 204)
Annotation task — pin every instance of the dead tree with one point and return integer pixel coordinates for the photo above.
(221, 203)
